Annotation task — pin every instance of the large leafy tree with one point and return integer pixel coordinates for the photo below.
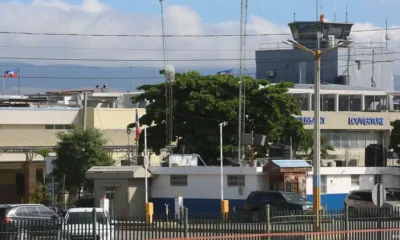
(78, 150)
(395, 136)
(200, 103)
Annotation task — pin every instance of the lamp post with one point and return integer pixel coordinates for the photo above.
(221, 125)
(317, 132)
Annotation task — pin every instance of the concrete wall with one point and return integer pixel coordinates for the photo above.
(120, 203)
(112, 118)
(39, 116)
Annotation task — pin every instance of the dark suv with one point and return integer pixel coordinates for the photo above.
(278, 201)
(21, 221)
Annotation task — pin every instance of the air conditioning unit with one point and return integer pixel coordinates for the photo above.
(331, 41)
(328, 164)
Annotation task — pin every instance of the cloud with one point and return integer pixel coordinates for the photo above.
(93, 17)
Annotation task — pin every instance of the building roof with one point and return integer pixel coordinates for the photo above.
(291, 163)
(117, 172)
(337, 89)
(42, 137)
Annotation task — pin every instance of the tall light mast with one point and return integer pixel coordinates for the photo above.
(168, 88)
(242, 87)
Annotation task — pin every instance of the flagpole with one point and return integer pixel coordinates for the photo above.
(146, 159)
(4, 85)
(18, 82)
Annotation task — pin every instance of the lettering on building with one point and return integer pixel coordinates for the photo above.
(310, 120)
(366, 121)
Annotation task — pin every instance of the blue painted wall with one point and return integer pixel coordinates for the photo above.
(331, 201)
(196, 205)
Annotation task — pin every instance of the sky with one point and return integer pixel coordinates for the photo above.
(182, 17)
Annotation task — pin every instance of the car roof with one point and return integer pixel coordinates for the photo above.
(361, 190)
(80, 210)
(19, 205)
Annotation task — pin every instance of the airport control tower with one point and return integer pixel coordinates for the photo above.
(359, 64)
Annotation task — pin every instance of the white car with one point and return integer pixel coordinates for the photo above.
(79, 224)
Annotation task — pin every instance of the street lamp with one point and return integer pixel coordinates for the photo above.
(221, 125)
(317, 132)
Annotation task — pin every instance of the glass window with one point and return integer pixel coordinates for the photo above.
(293, 197)
(352, 139)
(236, 180)
(21, 212)
(32, 212)
(361, 140)
(366, 196)
(377, 178)
(344, 140)
(335, 142)
(45, 212)
(344, 103)
(48, 126)
(355, 180)
(178, 180)
(85, 217)
(323, 184)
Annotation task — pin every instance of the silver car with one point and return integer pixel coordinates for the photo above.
(360, 203)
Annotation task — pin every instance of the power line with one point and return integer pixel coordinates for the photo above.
(177, 35)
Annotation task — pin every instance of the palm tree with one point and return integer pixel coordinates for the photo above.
(307, 147)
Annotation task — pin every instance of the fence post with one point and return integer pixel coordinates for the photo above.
(268, 219)
(94, 223)
(346, 220)
(185, 222)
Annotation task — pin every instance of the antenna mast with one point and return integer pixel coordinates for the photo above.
(242, 115)
(168, 87)
(387, 36)
(334, 14)
(316, 10)
(346, 13)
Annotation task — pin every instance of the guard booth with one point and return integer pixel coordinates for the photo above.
(288, 175)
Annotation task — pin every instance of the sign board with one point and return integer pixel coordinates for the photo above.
(378, 194)
(183, 160)
(366, 121)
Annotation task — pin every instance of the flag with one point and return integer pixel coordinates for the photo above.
(226, 72)
(138, 130)
(11, 74)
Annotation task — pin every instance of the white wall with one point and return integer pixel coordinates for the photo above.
(204, 182)
(39, 116)
(339, 179)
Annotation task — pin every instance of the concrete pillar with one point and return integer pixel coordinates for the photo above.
(336, 102)
(362, 102)
(30, 180)
(310, 101)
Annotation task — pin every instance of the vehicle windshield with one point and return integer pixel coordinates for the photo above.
(391, 198)
(85, 218)
(293, 197)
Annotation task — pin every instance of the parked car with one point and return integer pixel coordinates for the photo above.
(360, 203)
(280, 202)
(78, 224)
(23, 221)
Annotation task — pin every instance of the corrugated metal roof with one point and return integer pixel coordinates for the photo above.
(337, 87)
(291, 163)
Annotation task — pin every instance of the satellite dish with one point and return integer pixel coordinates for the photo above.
(388, 37)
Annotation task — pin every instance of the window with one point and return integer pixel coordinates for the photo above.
(323, 184)
(236, 181)
(178, 180)
(377, 179)
(45, 212)
(57, 127)
(355, 180)
(110, 193)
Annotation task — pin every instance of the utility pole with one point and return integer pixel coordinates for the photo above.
(242, 114)
(85, 96)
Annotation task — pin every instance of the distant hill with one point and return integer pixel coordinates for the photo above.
(34, 79)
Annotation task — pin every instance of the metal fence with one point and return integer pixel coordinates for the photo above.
(347, 224)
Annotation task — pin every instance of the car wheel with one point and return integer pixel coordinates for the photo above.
(22, 234)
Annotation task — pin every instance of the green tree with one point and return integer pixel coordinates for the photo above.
(394, 142)
(200, 103)
(78, 150)
(306, 147)
(44, 152)
(41, 194)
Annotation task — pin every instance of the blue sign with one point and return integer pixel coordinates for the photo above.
(310, 120)
(366, 121)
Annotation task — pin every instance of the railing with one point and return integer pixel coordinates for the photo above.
(347, 224)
